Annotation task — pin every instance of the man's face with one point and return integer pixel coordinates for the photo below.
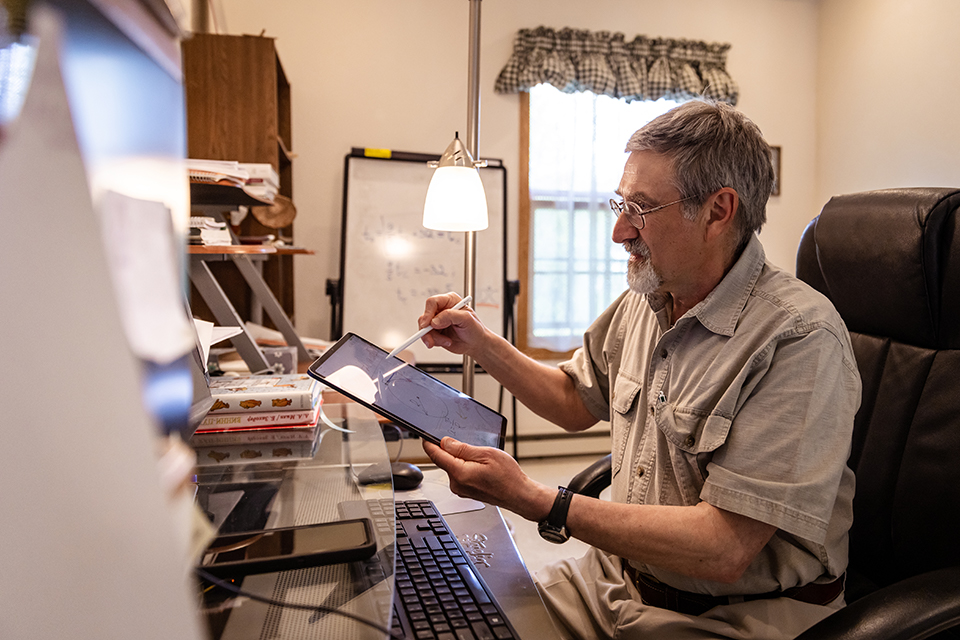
(664, 253)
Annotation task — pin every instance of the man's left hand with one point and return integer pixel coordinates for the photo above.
(492, 476)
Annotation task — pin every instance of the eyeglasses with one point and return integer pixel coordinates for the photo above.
(633, 212)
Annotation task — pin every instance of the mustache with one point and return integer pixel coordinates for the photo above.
(638, 247)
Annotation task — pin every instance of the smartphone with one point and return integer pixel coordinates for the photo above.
(407, 395)
(265, 551)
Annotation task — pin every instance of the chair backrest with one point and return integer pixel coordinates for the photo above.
(890, 262)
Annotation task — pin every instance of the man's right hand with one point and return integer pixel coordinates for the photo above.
(458, 331)
(544, 389)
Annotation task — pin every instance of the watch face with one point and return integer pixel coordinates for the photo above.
(553, 534)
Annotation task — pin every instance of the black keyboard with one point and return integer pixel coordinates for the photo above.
(438, 593)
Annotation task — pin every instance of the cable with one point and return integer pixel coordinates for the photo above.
(290, 605)
(399, 439)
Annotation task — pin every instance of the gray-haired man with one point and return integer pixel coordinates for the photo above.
(730, 387)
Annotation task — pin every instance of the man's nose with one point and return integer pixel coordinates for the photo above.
(623, 230)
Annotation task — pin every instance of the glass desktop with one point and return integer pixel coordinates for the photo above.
(257, 495)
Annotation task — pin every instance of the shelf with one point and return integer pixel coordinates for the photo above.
(205, 193)
(295, 251)
(231, 249)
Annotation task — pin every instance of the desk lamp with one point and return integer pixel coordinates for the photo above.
(455, 199)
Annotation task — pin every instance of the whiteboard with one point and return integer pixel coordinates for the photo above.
(390, 264)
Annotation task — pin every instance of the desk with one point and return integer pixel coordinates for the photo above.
(224, 311)
(309, 491)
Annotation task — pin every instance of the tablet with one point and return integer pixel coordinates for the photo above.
(407, 395)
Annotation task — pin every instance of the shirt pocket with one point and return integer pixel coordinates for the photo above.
(625, 415)
(694, 435)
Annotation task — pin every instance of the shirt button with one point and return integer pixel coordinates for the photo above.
(690, 441)
(639, 472)
(652, 410)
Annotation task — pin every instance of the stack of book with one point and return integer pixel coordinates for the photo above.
(259, 418)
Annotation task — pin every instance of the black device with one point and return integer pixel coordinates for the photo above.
(249, 552)
(403, 475)
(407, 395)
(554, 528)
(439, 591)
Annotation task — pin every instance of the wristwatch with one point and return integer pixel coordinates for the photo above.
(554, 528)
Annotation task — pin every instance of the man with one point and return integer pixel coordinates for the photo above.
(731, 389)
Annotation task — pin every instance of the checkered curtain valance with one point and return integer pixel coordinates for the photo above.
(605, 63)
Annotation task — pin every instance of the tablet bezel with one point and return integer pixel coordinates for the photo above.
(312, 372)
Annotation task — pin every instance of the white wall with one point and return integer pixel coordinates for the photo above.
(889, 90)
(389, 74)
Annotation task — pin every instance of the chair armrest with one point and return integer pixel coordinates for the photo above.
(592, 480)
(911, 609)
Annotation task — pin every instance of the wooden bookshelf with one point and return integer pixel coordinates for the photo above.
(238, 108)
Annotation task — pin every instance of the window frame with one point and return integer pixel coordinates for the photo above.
(523, 238)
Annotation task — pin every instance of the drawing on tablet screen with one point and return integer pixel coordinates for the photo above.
(406, 392)
(416, 396)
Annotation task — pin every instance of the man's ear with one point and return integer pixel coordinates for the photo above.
(722, 206)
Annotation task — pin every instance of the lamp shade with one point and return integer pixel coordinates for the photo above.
(455, 200)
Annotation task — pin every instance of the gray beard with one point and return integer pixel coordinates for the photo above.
(642, 278)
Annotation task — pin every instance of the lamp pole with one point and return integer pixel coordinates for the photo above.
(473, 137)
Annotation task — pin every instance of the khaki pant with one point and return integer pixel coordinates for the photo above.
(592, 598)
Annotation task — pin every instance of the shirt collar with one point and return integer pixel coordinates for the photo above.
(721, 309)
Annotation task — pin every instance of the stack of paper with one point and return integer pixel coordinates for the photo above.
(260, 180)
(209, 231)
(226, 172)
(263, 181)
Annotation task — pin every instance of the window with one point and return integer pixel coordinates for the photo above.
(575, 156)
(16, 67)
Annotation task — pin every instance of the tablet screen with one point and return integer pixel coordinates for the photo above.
(407, 395)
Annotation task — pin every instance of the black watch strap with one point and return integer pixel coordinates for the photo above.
(554, 528)
(561, 504)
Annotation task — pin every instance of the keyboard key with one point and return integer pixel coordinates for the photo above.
(482, 631)
(470, 579)
(502, 633)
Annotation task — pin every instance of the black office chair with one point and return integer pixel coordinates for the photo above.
(890, 262)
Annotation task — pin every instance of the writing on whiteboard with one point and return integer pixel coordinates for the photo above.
(389, 229)
(487, 296)
(395, 270)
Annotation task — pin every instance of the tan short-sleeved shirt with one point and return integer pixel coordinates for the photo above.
(747, 403)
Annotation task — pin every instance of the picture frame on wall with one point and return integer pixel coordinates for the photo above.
(775, 159)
